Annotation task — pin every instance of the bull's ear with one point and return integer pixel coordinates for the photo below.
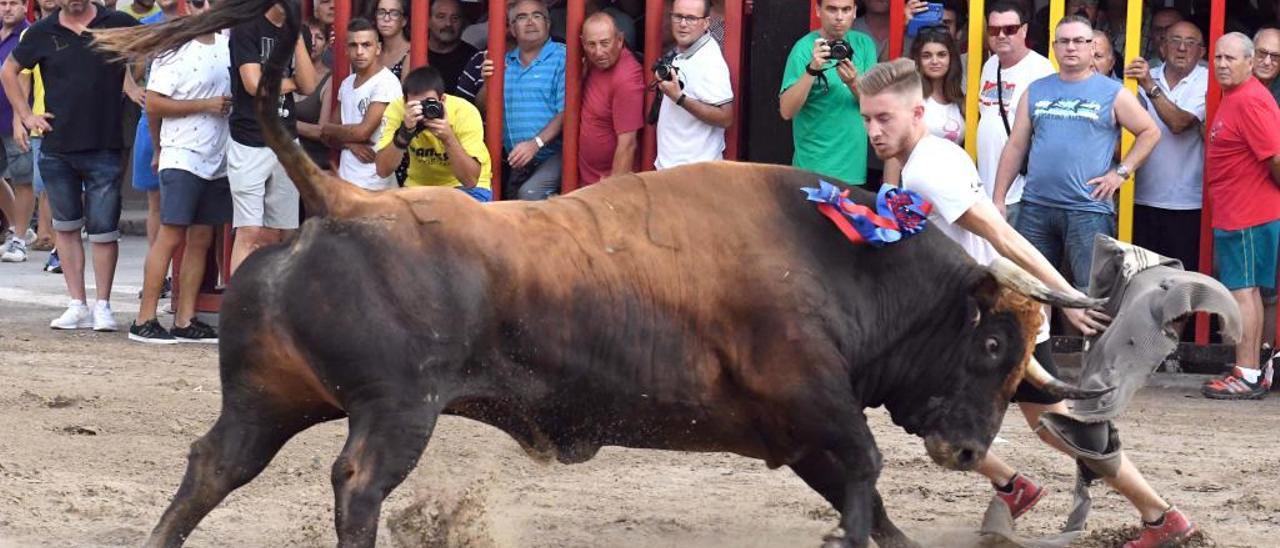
(985, 290)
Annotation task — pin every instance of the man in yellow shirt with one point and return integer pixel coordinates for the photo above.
(442, 134)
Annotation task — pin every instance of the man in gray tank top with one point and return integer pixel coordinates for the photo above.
(1071, 122)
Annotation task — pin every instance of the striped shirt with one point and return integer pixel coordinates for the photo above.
(533, 95)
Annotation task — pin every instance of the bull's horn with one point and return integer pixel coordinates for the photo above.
(1042, 379)
(1014, 277)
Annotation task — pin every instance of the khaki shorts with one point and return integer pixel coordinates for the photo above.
(261, 192)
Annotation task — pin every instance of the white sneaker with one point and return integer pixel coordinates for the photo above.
(15, 251)
(75, 317)
(30, 237)
(102, 318)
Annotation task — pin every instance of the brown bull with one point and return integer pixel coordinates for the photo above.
(705, 308)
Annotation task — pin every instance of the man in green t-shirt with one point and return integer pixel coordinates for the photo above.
(820, 95)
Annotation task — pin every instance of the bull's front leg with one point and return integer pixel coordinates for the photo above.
(858, 454)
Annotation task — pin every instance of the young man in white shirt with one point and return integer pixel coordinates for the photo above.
(362, 98)
(188, 100)
(1005, 76)
(940, 171)
(697, 102)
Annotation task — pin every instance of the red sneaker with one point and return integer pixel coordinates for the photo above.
(1235, 387)
(1172, 529)
(1021, 496)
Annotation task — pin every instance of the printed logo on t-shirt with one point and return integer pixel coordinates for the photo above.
(1068, 109)
(265, 46)
(1213, 132)
(430, 156)
(989, 96)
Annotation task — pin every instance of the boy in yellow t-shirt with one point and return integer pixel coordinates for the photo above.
(442, 134)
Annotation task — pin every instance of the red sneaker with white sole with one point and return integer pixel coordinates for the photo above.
(1172, 529)
(1022, 494)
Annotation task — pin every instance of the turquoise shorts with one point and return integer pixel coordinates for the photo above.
(1247, 258)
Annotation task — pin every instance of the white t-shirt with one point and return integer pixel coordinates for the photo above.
(944, 121)
(682, 137)
(991, 133)
(382, 87)
(196, 143)
(1172, 176)
(941, 172)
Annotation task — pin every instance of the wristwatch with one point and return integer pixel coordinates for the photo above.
(1123, 171)
(538, 140)
(1155, 92)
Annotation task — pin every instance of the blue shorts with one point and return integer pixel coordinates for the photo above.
(143, 177)
(84, 191)
(480, 194)
(1247, 258)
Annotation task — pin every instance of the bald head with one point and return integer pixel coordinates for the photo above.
(601, 41)
(1183, 47)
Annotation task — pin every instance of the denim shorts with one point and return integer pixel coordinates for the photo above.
(19, 170)
(1247, 258)
(36, 180)
(483, 195)
(189, 199)
(84, 191)
(1056, 232)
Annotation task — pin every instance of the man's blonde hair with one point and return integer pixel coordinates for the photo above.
(898, 76)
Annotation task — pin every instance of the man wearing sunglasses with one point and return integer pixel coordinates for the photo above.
(1005, 76)
(1266, 59)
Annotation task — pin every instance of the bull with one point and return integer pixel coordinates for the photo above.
(704, 308)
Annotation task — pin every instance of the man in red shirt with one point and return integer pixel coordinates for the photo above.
(1244, 184)
(612, 102)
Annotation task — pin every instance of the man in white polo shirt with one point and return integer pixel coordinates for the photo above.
(697, 102)
(1167, 193)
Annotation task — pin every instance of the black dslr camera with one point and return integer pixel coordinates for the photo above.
(432, 109)
(841, 50)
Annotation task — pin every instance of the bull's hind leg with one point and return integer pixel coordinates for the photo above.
(822, 472)
(383, 446)
(243, 441)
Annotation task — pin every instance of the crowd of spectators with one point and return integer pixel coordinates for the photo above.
(388, 124)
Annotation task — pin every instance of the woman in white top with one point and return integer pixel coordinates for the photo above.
(938, 60)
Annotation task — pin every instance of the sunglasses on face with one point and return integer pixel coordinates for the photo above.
(1007, 30)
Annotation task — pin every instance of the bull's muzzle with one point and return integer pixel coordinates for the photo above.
(963, 456)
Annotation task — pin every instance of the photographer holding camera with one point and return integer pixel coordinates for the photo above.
(442, 134)
(819, 94)
(697, 101)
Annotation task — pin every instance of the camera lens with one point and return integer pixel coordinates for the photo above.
(664, 71)
(841, 49)
(432, 109)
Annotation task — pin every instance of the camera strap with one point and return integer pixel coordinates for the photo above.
(1004, 115)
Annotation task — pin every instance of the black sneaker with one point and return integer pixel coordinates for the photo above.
(197, 332)
(150, 333)
(165, 289)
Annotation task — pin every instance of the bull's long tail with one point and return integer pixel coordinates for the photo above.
(320, 191)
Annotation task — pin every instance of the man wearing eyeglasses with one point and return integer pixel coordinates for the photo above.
(1005, 76)
(697, 101)
(1266, 62)
(1167, 190)
(820, 96)
(533, 102)
(1075, 117)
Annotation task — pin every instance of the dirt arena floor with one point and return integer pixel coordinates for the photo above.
(94, 432)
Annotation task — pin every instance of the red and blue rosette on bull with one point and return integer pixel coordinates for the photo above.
(899, 213)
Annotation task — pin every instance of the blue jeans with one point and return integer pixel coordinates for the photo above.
(84, 191)
(1055, 231)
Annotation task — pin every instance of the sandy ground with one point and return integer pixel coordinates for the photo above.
(94, 431)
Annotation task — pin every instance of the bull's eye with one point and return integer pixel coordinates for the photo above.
(992, 345)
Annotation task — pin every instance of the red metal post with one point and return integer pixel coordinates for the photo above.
(654, 12)
(493, 102)
(306, 9)
(341, 66)
(733, 38)
(572, 97)
(419, 33)
(31, 10)
(1217, 22)
(897, 27)
(814, 23)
